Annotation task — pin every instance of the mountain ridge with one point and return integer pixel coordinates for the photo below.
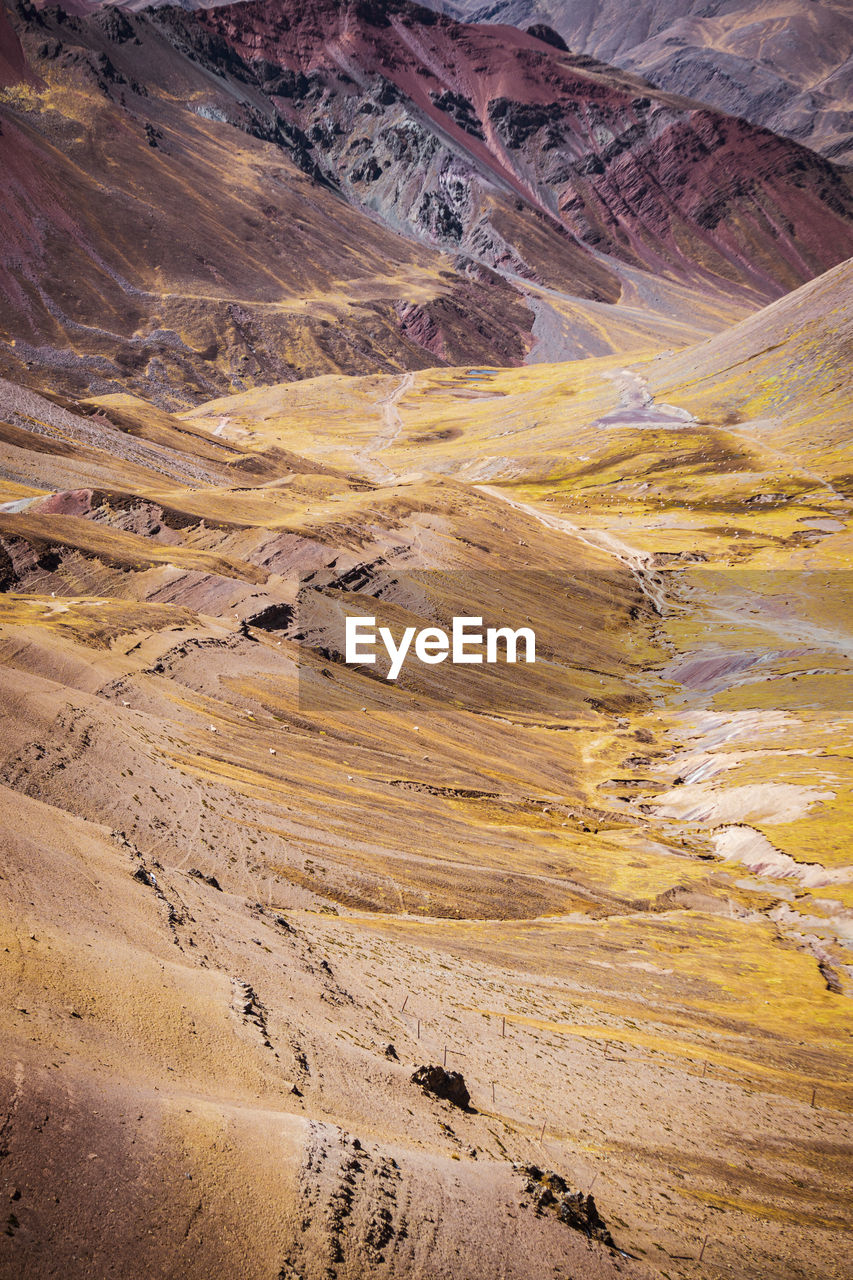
(787, 64)
(544, 194)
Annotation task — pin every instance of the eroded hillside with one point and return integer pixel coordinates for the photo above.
(784, 64)
(249, 889)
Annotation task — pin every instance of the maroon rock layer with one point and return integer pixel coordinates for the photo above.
(14, 68)
(203, 202)
(394, 97)
(783, 64)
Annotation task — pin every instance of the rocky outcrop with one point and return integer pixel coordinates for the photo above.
(541, 31)
(787, 66)
(550, 1193)
(449, 1085)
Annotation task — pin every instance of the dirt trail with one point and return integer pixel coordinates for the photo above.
(392, 425)
(391, 420)
(640, 563)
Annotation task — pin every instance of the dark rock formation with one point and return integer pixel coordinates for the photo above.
(208, 880)
(552, 1194)
(449, 1085)
(541, 31)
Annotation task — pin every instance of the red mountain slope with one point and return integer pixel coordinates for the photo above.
(198, 203)
(646, 178)
(13, 64)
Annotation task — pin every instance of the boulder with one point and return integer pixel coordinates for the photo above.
(541, 31)
(449, 1085)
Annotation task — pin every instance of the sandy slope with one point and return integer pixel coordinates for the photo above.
(613, 889)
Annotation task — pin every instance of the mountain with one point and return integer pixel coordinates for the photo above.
(312, 970)
(577, 143)
(399, 189)
(783, 64)
(782, 370)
